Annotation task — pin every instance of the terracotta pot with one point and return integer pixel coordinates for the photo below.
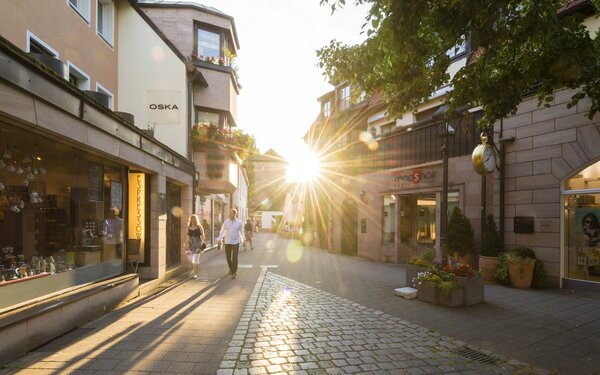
(520, 273)
(487, 265)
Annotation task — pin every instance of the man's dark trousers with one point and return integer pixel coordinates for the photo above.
(231, 252)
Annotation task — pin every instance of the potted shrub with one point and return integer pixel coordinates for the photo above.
(417, 264)
(460, 235)
(490, 249)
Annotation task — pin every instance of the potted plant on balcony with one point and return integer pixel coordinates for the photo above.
(460, 236)
(490, 249)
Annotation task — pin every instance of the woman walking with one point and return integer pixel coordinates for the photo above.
(195, 242)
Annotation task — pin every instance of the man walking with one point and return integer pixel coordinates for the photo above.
(231, 233)
(248, 229)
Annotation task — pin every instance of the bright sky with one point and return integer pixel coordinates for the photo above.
(278, 65)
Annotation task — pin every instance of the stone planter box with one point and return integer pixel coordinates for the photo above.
(453, 299)
(411, 272)
(472, 289)
(427, 293)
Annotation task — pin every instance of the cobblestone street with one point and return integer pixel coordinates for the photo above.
(289, 327)
(301, 310)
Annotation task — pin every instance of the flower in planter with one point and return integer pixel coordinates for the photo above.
(425, 260)
(463, 270)
(440, 277)
(427, 278)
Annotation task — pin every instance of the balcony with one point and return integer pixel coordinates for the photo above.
(217, 169)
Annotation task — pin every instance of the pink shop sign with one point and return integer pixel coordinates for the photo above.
(418, 177)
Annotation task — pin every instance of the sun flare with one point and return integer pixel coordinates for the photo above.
(304, 166)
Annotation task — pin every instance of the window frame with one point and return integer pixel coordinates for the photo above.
(104, 90)
(80, 74)
(108, 21)
(83, 10)
(224, 41)
(345, 97)
(327, 108)
(31, 36)
(392, 217)
(223, 117)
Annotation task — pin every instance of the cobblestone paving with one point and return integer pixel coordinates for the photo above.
(292, 328)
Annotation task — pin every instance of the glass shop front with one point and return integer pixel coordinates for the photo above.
(582, 225)
(211, 212)
(61, 217)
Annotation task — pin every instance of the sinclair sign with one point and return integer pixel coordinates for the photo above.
(417, 177)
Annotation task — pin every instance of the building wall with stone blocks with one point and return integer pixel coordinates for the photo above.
(550, 145)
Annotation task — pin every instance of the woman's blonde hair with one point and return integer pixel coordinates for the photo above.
(195, 217)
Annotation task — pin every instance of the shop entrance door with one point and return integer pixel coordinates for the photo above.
(173, 225)
(349, 227)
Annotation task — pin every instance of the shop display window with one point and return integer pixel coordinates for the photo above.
(426, 206)
(389, 218)
(582, 225)
(61, 213)
(206, 218)
(218, 217)
(418, 218)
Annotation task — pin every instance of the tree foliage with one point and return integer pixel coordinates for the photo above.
(514, 47)
(460, 233)
(490, 239)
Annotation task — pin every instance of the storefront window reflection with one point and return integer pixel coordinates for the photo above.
(61, 219)
(389, 218)
(582, 226)
(206, 218)
(218, 217)
(426, 205)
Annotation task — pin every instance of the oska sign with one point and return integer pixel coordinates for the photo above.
(414, 178)
(163, 107)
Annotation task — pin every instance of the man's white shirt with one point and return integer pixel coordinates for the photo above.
(232, 231)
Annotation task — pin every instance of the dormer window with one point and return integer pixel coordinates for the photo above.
(345, 98)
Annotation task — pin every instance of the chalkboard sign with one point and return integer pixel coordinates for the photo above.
(116, 195)
(96, 182)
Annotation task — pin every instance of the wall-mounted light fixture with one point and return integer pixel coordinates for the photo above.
(364, 197)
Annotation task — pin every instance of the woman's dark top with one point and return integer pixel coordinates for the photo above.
(194, 238)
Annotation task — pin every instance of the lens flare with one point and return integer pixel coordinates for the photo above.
(294, 251)
(270, 245)
(177, 211)
(303, 166)
(158, 54)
